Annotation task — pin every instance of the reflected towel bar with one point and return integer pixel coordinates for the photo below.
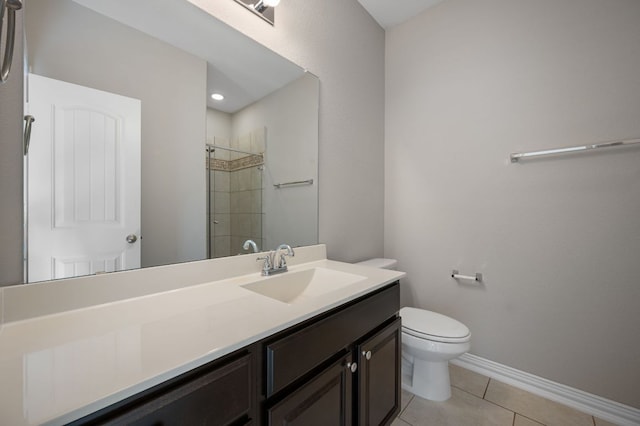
(456, 276)
(518, 156)
(298, 182)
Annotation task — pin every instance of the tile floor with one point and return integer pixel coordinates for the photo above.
(478, 400)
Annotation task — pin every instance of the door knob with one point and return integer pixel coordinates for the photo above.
(352, 366)
(366, 354)
(131, 238)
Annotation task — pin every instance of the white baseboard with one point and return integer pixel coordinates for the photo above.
(594, 405)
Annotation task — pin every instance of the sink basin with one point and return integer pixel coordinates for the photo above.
(296, 286)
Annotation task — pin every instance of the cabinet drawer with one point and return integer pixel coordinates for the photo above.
(298, 352)
(219, 397)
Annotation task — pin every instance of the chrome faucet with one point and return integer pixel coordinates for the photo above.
(280, 261)
(252, 244)
(275, 262)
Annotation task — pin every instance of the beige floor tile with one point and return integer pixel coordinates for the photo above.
(523, 421)
(468, 380)
(600, 422)
(461, 409)
(399, 422)
(405, 399)
(535, 407)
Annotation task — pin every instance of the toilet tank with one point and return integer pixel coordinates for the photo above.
(381, 263)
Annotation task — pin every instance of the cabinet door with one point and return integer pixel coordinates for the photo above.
(324, 400)
(379, 376)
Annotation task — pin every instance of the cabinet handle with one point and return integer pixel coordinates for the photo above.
(352, 366)
(367, 355)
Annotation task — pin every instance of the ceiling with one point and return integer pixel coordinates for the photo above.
(392, 12)
(243, 78)
(237, 66)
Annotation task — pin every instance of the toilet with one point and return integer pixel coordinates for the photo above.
(429, 341)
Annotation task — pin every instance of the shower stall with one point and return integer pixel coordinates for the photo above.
(234, 200)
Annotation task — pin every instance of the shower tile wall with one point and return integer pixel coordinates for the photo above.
(246, 207)
(236, 195)
(221, 223)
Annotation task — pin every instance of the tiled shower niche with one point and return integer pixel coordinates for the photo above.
(234, 199)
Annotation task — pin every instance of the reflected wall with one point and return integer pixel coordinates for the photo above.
(134, 64)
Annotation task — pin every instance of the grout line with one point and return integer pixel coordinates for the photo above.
(469, 392)
(486, 389)
(406, 406)
(513, 423)
(529, 418)
(506, 408)
(403, 420)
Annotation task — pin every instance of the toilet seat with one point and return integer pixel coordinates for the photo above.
(429, 325)
(437, 339)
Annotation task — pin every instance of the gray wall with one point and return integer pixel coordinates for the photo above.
(339, 42)
(11, 158)
(558, 240)
(171, 85)
(290, 116)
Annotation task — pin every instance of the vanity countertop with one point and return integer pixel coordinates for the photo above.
(59, 367)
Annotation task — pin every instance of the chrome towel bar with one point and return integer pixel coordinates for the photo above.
(515, 157)
(457, 276)
(298, 182)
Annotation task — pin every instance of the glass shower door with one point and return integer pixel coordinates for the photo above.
(234, 200)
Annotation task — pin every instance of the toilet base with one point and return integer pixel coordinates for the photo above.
(427, 379)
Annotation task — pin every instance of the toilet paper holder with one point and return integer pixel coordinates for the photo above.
(455, 274)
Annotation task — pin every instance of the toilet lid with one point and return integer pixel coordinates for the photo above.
(433, 326)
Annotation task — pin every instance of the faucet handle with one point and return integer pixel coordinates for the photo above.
(267, 262)
(282, 262)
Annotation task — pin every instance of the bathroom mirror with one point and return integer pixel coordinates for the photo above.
(164, 59)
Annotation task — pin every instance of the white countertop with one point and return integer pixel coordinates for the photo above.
(59, 367)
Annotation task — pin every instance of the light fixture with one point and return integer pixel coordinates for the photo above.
(217, 96)
(262, 5)
(265, 9)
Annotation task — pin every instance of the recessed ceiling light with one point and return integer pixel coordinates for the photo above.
(217, 97)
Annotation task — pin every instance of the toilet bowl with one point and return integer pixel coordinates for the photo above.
(429, 341)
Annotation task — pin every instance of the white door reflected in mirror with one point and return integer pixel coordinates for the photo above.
(83, 181)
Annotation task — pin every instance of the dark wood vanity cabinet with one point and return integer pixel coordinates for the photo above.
(220, 393)
(365, 392)
(341, 367)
